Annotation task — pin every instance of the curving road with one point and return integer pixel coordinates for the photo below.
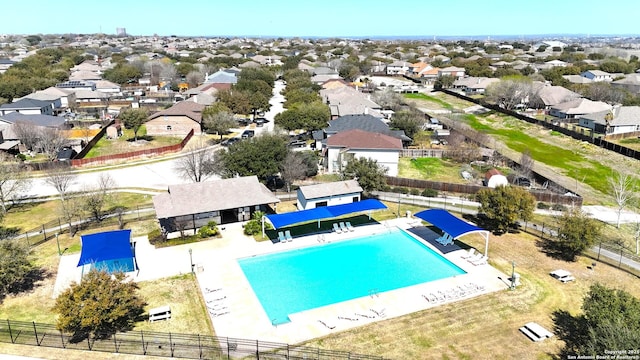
(155, 174)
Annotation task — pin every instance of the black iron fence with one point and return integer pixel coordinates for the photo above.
(42, 233)
(186, 346)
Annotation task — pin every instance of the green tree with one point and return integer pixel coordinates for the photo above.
(312, 116)
(303, 95)
(504, 205)
(17, 272)
(444, 82)
(261, 156)
(370, 175)
(576, 233)
(99, 306)
(237, 101)
(610, 320)
(217, 121)
(134, 119)
(409, 121)
(122, 73)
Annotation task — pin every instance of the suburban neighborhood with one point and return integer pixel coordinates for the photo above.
(319, 198)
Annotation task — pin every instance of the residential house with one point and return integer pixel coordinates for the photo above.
(474, 85)
(454, 71)
(328, 194)
(334, 84)
(322, 78)
(349, 101)
(358, 143)
(90, 97)
(224, 78)
(398, 68)
(107, 87)
(597, 75)
(77, 85)
(545, 96)
(577, 79)
(61, 98)
(84, 76)
(364, 122)
(575, 109)
(28, 106)
(630, 82)
(5, 64)
(177, 120)
(190, 206)
(556, 63)
(620, 120)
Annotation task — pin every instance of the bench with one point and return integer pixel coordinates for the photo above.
(535, 332)
(160, 313)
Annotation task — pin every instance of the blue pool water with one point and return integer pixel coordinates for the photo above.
(303, 279)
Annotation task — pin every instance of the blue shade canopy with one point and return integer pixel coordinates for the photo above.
(325, 212)
(106, 246)
(448, 223)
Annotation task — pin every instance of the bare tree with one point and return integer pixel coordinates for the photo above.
(27, 133)
(197, 164)
(509, 93)
(95, 199)
(62, 180)
(388, 99)
(526, 164)
(293, 168)
(623, 187)
(13, 182)
(51, 141)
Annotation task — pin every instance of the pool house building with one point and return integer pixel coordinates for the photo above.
(328, 194)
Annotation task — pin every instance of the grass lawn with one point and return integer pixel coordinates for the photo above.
(574, 164)
(487, 327)
(440, 104)
(27, 216)
(125, 143)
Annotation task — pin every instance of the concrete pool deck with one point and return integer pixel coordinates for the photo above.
(236, 312)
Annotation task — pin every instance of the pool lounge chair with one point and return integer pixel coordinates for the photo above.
(481, 261)
(349, 227)
(336, 228)
(476, 257)
(343, 227)
(281, 237)
(287, 235)
(469, 253)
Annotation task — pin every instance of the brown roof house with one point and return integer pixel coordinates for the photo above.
(190, 206)
(328, 194)
(358, 143)
(494, 178)
(177, 120)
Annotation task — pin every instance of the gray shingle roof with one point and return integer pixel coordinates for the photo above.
(330, 189)
(363, 122)
(202, 197)
(36, 119)
(26, 103)
(622, 115)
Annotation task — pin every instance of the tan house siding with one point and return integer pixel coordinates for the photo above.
(172, 126)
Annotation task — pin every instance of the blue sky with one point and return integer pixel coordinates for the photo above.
(327, 18)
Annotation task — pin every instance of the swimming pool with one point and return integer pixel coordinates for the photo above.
(307, 278)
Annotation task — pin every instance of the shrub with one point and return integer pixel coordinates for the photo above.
(209, 230)
(558, 207)
(429, 192)
(414, 191)
(542, 206)
(155, 236)
(252, 227)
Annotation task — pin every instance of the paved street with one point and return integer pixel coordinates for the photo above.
(155, 174)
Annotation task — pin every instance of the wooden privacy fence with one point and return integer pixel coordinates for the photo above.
(543, 196)
(134, 154)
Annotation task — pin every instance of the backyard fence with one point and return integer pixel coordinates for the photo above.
(576, 132)
(187, 346)
(133, 154)
(544, 196)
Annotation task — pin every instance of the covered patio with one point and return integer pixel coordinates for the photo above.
(452, 225)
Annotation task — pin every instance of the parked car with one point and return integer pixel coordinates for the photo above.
(248, 134)
(562, 275)
(298, 144)
(230, 141)
(260, 121)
